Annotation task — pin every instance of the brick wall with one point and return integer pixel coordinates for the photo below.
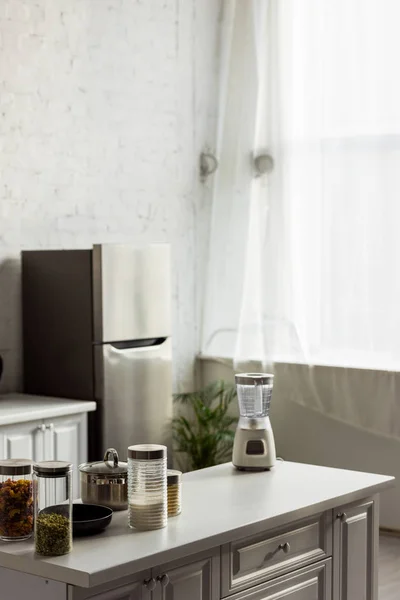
(104, 108)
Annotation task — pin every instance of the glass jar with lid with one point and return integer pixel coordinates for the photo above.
(147, 486)
(53, 507)
(174, 483)
(16, 499)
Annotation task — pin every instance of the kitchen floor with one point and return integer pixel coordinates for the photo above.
(389, 567)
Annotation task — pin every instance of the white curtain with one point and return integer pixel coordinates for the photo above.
(304, 261)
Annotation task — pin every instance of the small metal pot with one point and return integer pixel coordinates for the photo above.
(105, 482)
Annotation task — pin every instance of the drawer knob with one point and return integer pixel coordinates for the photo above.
(163, 579)
(150, 584)
(285, 547)
(342, 516)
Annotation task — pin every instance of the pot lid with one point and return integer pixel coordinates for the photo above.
(110, 465)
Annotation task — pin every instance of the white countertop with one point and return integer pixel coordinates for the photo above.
(19, 408)
(220, 504)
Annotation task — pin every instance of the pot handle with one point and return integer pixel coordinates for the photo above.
(114, 455)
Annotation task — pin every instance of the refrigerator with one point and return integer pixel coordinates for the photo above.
(97, 325)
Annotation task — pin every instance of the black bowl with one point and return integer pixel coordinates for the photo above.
(89, 519)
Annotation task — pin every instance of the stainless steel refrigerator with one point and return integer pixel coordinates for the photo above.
(97, 325)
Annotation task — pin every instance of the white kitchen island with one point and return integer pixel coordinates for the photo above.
(298, 531)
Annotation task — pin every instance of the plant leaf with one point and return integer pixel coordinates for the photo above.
(205, 433)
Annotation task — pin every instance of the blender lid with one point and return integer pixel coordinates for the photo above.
(254, 379)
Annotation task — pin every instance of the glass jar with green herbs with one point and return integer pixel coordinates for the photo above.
(53, 507)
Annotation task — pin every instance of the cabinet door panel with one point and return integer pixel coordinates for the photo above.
(195, 579)
(355, 539)
(21, 585)
(191, 581)
(23, 440)
(132, 591)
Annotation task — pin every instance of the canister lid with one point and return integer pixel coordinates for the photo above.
(173, 476)
(16, 466)
(254, 379)
(52, 468)
(147, 451)
(110, 465)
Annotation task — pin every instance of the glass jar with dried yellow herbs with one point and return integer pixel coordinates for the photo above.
(53, 507)
(174, 488)
(16, 499)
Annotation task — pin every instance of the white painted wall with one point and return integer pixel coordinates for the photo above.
(304, 435)
(105, 106)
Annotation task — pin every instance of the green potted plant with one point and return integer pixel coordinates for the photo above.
(203, 429)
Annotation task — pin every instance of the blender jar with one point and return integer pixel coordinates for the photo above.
(254, 391)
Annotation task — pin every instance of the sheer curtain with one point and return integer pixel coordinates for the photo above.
(304, 261)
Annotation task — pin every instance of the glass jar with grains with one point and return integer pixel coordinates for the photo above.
(16, 499)
(174, 483)
(53, 507)
(147, 486)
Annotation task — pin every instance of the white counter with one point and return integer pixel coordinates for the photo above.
(19, 408)
(220, 505)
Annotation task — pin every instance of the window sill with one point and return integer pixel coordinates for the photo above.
(256, 364)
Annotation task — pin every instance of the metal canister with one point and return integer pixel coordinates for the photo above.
(105, 482)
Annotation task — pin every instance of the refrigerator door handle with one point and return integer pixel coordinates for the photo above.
(138, 344)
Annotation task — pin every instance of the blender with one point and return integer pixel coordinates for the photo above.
(254, 446)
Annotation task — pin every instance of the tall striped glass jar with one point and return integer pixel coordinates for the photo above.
(147, 486)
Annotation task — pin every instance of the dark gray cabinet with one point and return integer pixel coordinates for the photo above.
(355, 551)
(196, 578)
(328, 556)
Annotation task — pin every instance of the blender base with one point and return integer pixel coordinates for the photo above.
(254, 449)
(253, 469)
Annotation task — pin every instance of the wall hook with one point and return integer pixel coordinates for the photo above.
(208, 164)
(262, 164)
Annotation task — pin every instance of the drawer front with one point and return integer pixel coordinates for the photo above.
(311, 583)
(250, 561)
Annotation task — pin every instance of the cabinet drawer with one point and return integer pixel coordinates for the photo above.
(255, 559)
(310, 583)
